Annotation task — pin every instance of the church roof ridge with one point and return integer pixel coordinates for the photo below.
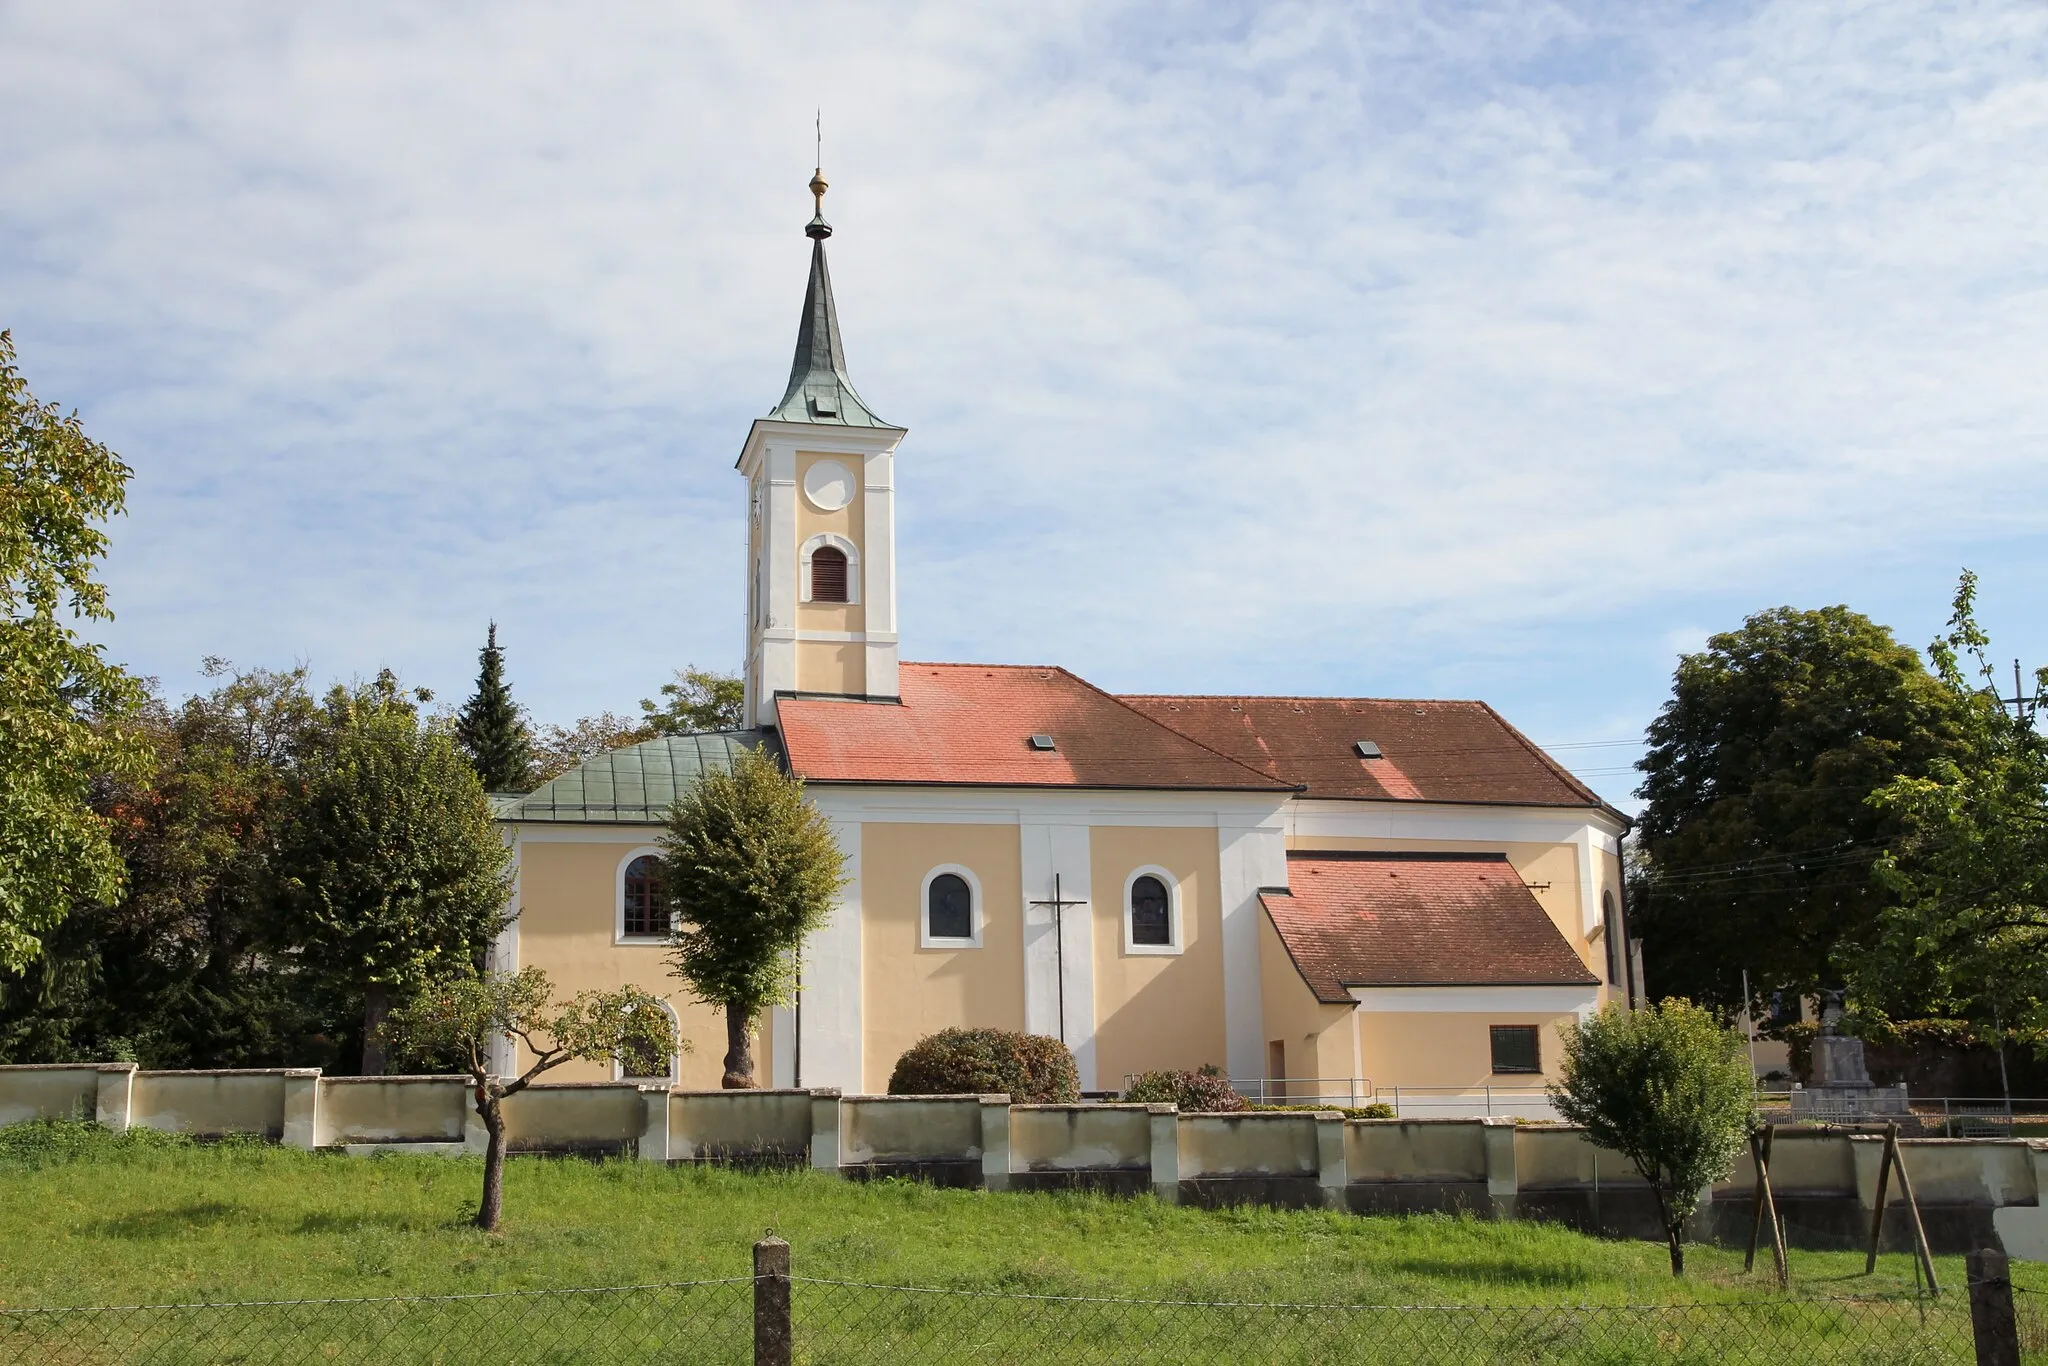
(819, 391)
(1302, 697)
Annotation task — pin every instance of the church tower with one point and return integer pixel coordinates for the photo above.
(821, 522)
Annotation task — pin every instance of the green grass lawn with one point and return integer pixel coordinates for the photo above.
(88, 1217)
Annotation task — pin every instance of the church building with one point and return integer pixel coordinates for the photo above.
(1327, 897)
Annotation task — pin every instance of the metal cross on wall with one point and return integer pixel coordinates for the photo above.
(1059, 906)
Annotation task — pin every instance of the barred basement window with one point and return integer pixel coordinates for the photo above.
(1515, 1049)
(828, 574)
(646, 914)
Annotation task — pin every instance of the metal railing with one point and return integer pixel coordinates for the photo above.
(1350, 1092)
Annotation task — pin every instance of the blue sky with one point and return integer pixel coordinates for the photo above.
(1482, 351)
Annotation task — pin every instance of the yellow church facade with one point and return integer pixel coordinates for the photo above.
(1329, 898)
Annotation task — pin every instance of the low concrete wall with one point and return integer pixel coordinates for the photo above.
(209, 1104)
(1972, 1192)
(938, 1138)
(1402, 1166)
(55, 1090)
(392, 1110)
(575, 1117)
(772, 1127)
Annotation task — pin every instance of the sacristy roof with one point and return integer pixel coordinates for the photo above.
(631, 786)
(1409, 920)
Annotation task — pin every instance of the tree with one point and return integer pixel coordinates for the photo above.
(62, 706)
(466, 1013)
(750, 869)
(391, 869)
(560, 748)
(1666, 1087)
(490, 727)
(1969, 867)
(1756, 831)
(177, 972)
(697, 700)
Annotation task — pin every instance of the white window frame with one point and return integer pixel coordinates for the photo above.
(925, 938)
(1173, 919)
(675, 1054)
(852, 553)
(619, 935)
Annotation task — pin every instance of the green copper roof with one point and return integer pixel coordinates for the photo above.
(819, 390)
(631, 786)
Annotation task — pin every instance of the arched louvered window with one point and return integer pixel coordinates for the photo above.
(1151, 913)
(828, 574)
(644, 914)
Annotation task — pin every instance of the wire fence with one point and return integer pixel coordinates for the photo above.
(851, 1323)
(696, 1323)
(854, 1324)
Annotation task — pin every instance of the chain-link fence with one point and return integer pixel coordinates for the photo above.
(698, 1323)
(850, 1324)
(775, 1318)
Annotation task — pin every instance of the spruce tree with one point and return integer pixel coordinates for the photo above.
(490, 729)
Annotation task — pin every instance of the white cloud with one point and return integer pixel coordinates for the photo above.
(1298, 346)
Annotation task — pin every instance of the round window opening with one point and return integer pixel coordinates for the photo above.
(829, 485)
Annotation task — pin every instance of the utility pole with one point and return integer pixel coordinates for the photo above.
(2023, 706)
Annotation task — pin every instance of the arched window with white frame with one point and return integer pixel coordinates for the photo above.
(828, 570)
(641, 914)
(949, 909)
(654, 1066)
(1152, 920)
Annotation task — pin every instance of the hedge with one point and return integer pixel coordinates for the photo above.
(1200, 1092)
(1032, 1069)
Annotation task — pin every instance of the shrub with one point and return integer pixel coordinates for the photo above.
(1032, 1068)
(1205, 1091)
(1667, 1087)
(1379, 1109)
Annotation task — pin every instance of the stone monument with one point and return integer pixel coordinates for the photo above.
(1842, 1089)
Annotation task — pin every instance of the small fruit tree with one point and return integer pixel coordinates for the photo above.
(1667, 1087)
(466, 1014)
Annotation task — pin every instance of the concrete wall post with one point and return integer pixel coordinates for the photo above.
(1165, 1121)
(1333, 1171)
(115, 1101)
(301, 1108)
(826, 1119)
(995, 1142)
(1503, 1186)
(654, 1129)
(771, 1302)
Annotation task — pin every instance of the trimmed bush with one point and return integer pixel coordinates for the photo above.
(1203, 1092)
(1032, 1068)
(1379, 1109)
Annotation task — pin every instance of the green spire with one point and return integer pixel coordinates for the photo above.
(819, 390)
(490, 728)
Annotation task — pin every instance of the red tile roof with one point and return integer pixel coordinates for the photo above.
(1434, 751)
(972, 724)
(1405, 920)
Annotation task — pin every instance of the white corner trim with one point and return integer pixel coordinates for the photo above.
(1175, 943)
(619, 935)
(1504, 1000)
(925, 938)
(675, 1054)
(846, 547)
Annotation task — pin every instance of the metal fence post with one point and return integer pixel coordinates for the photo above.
(771, 1302)
(1991, 1315)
